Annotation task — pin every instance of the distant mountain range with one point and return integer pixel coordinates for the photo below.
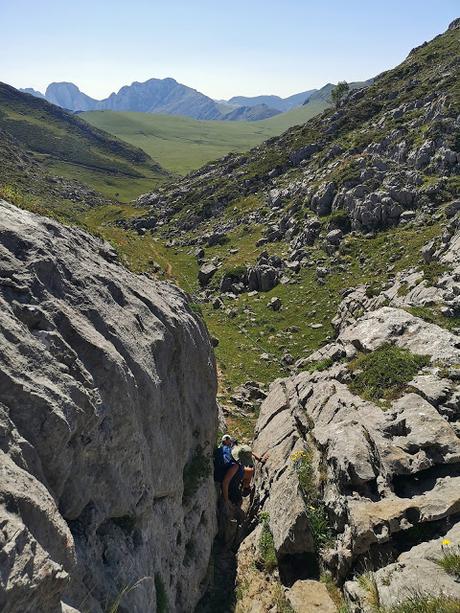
(169, 97)
(274, 102)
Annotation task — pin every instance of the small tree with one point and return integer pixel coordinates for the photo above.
(339, 92)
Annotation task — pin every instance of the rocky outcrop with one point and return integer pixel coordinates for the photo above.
(107, 418)
(417, 570)
(384, 478)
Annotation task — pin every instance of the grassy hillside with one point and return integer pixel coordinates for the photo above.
(231, 196)
(295, 117)
(182, 144)
(64, 144)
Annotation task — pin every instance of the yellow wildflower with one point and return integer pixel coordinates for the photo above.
(297, 455)
(446, 542)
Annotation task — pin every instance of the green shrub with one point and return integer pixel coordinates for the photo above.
(320, 365)
(195, 472)
(348, 172)
(196, 308)
(266, 545)
(161, 596)
(432, 272)
(236, 273)
(339, 219)
(385, 372)
(373, 290)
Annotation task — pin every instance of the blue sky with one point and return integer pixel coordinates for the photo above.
(220, 48)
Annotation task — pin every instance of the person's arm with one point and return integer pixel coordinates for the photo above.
(226, 482)
(261, 460)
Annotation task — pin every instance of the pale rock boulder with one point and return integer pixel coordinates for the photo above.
(404, 330)
(415, 571)
(307, 596)
(107, 402)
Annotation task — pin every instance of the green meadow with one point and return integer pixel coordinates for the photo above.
(182, 144)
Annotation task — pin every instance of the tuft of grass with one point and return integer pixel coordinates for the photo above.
(316, 511)
(423, 603)
(432, 272)
(266, 545)
(195, 473)
(333, 591)
(450, 560)
(384, 373)
(161, 595)
(320, 365)
(368, 583)
(280, 601)
(114, 607)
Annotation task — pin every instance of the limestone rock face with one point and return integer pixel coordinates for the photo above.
(309, 596)
(388, 477)
(413, 570)
(107, 410)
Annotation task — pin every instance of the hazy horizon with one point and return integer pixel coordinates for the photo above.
(261, 49)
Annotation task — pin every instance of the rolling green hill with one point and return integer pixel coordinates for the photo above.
(182, 144)
(63, 144)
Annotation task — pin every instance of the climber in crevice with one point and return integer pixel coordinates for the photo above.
(234, 469)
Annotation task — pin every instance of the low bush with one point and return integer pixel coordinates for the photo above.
(320, 365)
(384, 373)
(432, 272)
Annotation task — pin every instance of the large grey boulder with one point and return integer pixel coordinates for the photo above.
(389, 325)
(107, 410)
(278, 491)
(322, 200)
(262, 278)
(206, 273)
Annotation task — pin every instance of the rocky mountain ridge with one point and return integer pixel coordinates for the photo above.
(275, 102)
(165, 96)
(172, 98)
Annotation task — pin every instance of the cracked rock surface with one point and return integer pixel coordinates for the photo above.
(107, 400)
(387, 475)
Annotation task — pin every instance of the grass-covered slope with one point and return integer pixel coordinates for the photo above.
(430, 72)
(371, 152)
(65, 145)
(183, 144)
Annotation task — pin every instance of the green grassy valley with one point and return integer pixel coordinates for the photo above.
(182, 144)
(59, 143)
